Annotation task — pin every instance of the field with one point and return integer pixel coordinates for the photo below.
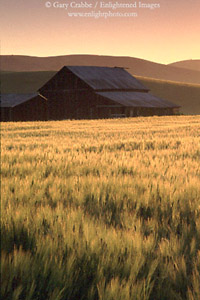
(184, 94)
(101, 210)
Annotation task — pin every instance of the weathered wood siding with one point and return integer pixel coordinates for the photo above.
(33, 110)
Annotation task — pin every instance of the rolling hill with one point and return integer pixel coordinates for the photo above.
(192, 64)
(136, 66)
(23, 82)
(185, 95)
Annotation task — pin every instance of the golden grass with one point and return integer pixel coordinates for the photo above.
(106, 209)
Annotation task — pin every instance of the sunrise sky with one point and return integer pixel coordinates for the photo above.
(166, 34)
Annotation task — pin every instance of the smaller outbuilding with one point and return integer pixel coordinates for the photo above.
(23, 107)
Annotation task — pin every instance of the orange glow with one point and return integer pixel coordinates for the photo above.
(164, 35)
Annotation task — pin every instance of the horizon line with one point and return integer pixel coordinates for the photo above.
(107, 55)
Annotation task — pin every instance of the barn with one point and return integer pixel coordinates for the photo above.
(89, 92)
(86, 92)
(23, 107)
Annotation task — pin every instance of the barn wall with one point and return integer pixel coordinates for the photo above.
(6, 114)
(61, 105)
(32, 110)
(73, 104)
(109, 109)
(68, 97)
(64, 80)
(76, 104)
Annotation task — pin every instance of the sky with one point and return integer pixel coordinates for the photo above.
(170, 32)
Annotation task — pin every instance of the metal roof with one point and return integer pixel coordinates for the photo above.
(12, 100)
(102, 78)
(137, 99)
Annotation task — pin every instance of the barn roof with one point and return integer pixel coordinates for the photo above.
(12, 100)
(137, 99)
(102, 78)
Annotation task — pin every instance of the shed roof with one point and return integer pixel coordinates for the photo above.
(12, 100)
(137, 99)
(102, 78)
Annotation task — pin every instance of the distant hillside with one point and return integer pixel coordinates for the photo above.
(135, 66)
(24, 82)
(186, 95)
(192, 64)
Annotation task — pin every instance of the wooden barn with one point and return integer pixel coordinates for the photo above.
(88, 92)
(23, 107)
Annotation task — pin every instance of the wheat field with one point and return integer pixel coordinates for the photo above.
(101, 209)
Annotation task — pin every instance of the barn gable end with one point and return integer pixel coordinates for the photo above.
(63, 81)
